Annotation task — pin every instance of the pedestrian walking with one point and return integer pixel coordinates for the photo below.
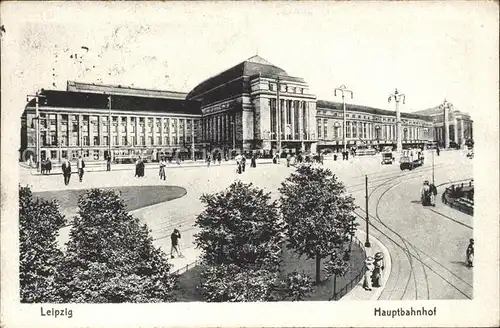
(219, 158)
(243, 162)
(378, 270)
(367, 281)
(49, 165)
(437, 150)
(469, 253)
(137, 167)
(174, 237)
(253, 161)
(209, 160)
(274, 159)
(288, 159)
(141, 167)
(80, 165)
(66, 169)
(108, 163)
(43, 166)
(163, 164)
(238, 159)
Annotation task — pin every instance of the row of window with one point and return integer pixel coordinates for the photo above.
(365, 117)
(361, 130)
(51, 140)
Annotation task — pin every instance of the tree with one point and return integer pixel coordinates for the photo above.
(317, 211)
(231, 283)
(297, 285)
(241, 237)
(110, 257)
(39, 222)
(241, 226)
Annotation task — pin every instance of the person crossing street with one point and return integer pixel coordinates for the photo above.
(80, 165)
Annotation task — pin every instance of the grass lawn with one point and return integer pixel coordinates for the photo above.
(322, 292)
(134, 197)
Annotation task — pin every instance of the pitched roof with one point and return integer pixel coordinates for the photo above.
(338, 105)
(252, 66)
(70, 99)
(123, 90)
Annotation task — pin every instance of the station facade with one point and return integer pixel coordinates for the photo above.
(235, 109)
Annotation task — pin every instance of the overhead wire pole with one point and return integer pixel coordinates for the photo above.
(367, 242)
(343, 89)
(36, 96)
(397, 97)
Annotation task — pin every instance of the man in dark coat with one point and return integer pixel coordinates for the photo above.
(174, 237)
(80, 164)
(66, 168)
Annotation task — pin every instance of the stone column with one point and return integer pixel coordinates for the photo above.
(137, 139)
(127, 130)
(292, 112)
(455, 135)
(80, 131)
(100, 130)
(177, 132)
(153, 132)
(301, 122)
(118, 129)
(169, 124)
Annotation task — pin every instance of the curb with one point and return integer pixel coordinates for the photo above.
(387, 262)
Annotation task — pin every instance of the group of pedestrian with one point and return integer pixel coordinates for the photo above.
(139, 168)
(374, 273)
(45, 166)
(66, 169)
(240, 163)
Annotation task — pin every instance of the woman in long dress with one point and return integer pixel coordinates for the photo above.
(367, 281)
(378, 271)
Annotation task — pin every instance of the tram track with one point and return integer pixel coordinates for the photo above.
(405, 247)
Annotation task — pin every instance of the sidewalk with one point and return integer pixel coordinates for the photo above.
(358, 293)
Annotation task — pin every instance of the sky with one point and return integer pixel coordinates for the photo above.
(428, 50)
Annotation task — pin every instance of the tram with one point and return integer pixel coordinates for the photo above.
(410, 159)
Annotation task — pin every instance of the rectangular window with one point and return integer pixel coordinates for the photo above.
(325, 123)
(85, 140)
(115, 140)
(165, 141)
(272, 106)
(64, 154)
(348, 129)
(150, 141)
(158, 140)
(173, 141)
(96, 155)
(134, 141)
(318, 123)
(354, 129)
(53, 154)
(105, 140)
(86, 153)
(143, 141)
(96, 141)
(124, 141)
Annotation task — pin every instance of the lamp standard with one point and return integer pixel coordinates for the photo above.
(397, 97)
(37, 96)
(343, 89)
(446, 106)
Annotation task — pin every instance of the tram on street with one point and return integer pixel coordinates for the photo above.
(387, 157)
(410, 159)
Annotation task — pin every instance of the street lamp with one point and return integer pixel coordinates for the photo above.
(446, 106)
(367, 242)
(37, 126)
(397, 97)
(343, 89)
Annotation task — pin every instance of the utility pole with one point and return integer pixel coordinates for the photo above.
(397, 97)
(446, 106)
(278, 114)
(36, 96)
(367, 242)
(343, 89)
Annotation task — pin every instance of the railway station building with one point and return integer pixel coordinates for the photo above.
(235, 109)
